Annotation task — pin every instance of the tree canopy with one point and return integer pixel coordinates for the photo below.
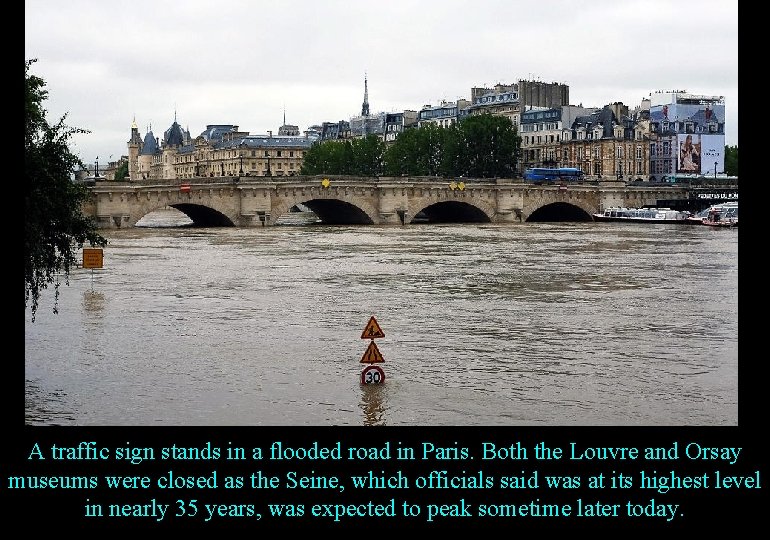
(731, 160)
(54, 224)
(121, 173)
(483, 146)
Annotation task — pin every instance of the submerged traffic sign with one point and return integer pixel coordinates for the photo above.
(372, 375)
(372, 354)
(372, 330)
(93, 257)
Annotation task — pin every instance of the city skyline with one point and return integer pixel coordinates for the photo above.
(256, 61)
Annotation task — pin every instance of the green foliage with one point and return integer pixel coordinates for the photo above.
(490, 145)
(402, 157)
(325, 158)
(360, 157)
(54, 225)
(731, 160)
(122, 171)
(366, 156)
(482, 146)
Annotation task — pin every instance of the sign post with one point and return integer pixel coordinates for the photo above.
(93, 258)
(372, 374)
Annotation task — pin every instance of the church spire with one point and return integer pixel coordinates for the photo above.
(365, 106)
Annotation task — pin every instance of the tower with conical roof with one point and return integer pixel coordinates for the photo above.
(149, 150)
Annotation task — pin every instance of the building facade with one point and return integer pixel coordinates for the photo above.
(502, 100)
(687, 135)
(542, 131)
(446, 114)
(220, 150)
(511, 100)
(396, 123)
(606, 147)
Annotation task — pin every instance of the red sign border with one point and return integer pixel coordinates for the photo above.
(373, 367)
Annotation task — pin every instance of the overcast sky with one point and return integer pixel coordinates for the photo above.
(244, 62)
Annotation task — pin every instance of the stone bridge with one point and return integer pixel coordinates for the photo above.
(253, 202)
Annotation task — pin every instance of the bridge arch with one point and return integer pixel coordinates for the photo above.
(574, 210)
(451, 211)
(200, 214)
(333, 209)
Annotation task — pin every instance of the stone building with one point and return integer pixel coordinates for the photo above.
(220, 150)
(511, 100)
(446, 114)
(606, 147)
(542, 131)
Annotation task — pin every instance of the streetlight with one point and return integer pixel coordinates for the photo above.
(96, 170)
(240, 154)
(715, 170)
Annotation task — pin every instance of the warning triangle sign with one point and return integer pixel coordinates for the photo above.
(372, 330)
(372, 354)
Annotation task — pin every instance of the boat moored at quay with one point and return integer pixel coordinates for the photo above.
(718, 215)
(643, 215)
(721, 216)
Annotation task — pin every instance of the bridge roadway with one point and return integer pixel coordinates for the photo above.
(259, 201)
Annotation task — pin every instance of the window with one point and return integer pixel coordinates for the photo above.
(278, 153)
(267, 153)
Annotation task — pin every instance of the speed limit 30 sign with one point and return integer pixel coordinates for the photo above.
(372, 375)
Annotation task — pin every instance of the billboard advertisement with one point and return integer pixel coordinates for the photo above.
(706, 118)
(713, 154)
(700, 154)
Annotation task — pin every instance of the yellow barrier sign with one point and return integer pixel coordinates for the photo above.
(372, 355)
(93, 257)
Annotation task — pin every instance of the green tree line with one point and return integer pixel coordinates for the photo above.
(482, 146)
(731, 160)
